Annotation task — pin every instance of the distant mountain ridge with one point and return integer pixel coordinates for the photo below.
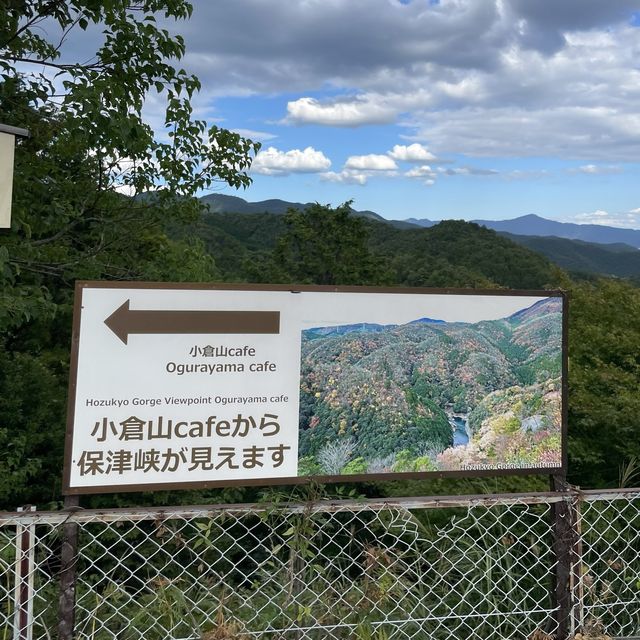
(427, 321)
(529, 225)
(533, 225)
(537, 309)
(585, 249)
(343, 329)
(221, 203)
(361, 327)
(552, 304)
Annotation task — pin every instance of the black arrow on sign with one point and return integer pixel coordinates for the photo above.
(123, 322)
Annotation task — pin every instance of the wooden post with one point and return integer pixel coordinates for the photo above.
(25, 562)
(565, 544)
(68, 558)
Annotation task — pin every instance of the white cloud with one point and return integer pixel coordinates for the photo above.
(541, 78)
(528, 174)
(593, 169)
(467, 171)
(471, 88)
(345, 177)
(346, 113)
(627, 220)
(273, 162)
(252, 134)
(358, 169)
(565, 132)
(579, 103)
(341, 43)
(412, 153)
(588, 168)
(370, 162)
(424, 171)
(598, 214)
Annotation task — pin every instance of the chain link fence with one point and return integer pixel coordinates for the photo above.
(442, 568)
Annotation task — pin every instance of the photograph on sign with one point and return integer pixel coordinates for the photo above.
(177, 386)
(434, 394)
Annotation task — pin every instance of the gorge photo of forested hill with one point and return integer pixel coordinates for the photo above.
(430, 395)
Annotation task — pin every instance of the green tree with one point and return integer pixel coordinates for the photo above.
(455, 253)
(98, 194)
(103, 99)
(604, 403)
(82, 205)
(323, 245)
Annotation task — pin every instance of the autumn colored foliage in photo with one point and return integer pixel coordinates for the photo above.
(431, 395)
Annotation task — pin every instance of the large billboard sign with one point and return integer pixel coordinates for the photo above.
(180, 386)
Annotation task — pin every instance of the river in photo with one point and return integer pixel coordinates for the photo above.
(460, 436)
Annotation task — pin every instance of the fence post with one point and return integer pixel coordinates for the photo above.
(68, 559)
(566, 546)
(24, 579)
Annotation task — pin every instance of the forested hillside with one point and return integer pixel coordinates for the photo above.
(584, 258)
(450, 254)
(583, 250)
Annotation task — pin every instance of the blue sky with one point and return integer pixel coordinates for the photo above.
(429, 108)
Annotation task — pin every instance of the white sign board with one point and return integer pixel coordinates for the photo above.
(176, 386)
(7, 144)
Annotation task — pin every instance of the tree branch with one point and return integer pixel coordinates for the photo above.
(55, 65)
(43, 13)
